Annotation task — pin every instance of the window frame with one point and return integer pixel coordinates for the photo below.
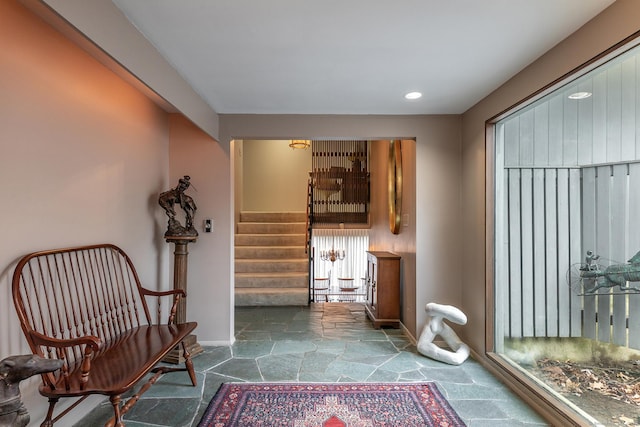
(537, 394)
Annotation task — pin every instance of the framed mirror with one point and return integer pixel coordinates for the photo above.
(395, 185)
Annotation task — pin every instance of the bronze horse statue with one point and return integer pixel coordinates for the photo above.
(168, 199)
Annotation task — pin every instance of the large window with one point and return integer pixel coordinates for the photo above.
(567, 239)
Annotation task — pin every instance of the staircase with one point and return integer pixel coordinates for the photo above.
(271, 267)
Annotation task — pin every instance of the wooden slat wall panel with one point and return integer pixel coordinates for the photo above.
(514, 273)
(541, 134)
(634, 242)
(556, 131)
(575, 246)
(619, 197)
(614, 113)
(552, 282)
(527, 138)
(599, 119)
(628, 108)
(512, 150)
(637, 103)
(539, 254)
(570, 133)
(585, 127)
(553, 216)
(563, 226)
(588, 242)
(559, 131)
(542, 233)
(526, 256)
(603, 246)
(611, 204)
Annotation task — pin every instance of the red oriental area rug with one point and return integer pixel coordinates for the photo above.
(329, 405)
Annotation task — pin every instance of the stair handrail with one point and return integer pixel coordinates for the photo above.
(307, 248)
(307, 235)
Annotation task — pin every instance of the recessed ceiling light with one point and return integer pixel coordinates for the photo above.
(413, 95)
(580, 95)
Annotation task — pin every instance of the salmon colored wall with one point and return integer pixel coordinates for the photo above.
(209, 300)
(613, 25)
(83, 157)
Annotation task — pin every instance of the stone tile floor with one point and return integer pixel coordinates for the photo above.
(330, 342)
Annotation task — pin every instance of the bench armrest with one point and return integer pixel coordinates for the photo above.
(93, 342)
(149, 292)
(92, 345)
(177, 294)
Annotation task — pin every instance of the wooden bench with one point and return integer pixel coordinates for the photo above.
(86, 307)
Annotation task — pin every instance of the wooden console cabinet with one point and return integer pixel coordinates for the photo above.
(383, 289)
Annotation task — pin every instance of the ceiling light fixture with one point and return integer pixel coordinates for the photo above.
(413, 95)
(300, 143)
(580, 95)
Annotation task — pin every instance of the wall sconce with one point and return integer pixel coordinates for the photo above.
(300, 143)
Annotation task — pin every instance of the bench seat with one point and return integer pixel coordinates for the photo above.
(121, 366)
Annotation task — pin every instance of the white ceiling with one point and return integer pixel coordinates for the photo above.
(352, 56)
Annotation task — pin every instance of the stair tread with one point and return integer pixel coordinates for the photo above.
(271, 290)
(273, 274)
(272, 247)
(263, 235)
(270, 223)
(273, 217)
(272, 260)
(286, 214)
(270, 234)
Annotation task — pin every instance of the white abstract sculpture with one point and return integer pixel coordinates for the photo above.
(436, 326)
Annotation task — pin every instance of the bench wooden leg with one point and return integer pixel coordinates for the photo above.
(121, 410)
(188, 363)
(48, 420)
(117, 417)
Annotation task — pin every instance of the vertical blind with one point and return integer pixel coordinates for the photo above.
(355, 243)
